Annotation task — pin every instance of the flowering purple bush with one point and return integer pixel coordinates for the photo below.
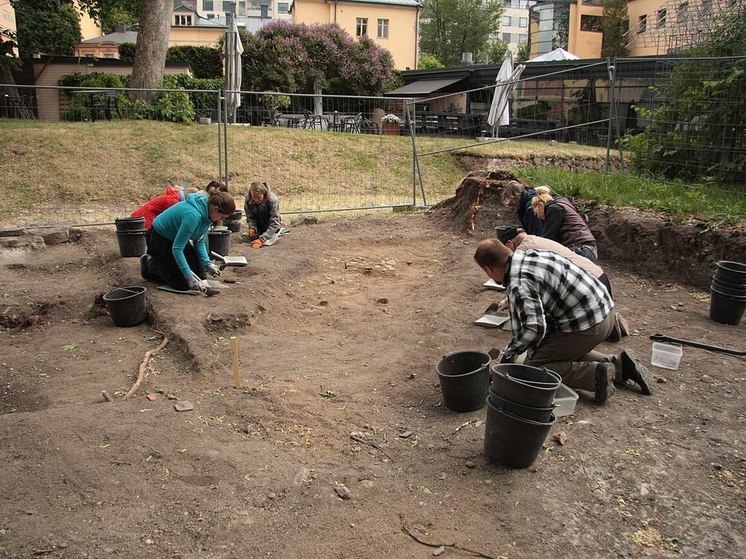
(290, 57)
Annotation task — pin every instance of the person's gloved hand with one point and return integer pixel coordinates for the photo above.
(251, 233)
(507, 357)
(194, 284)
(503, 305)
(258, 243)
(212, 269)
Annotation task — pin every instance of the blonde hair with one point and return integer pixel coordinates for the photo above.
(511, 191)
(543, 197)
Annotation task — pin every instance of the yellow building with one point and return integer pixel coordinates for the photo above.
(391, 24)
(660, 27)
(573, 25)
(88, 26)
(188, 27)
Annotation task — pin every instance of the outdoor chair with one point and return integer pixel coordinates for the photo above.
(312, 121)
(352, 123)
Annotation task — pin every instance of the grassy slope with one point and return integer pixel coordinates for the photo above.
(127, 162)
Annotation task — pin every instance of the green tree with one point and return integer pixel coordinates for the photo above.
(700, 128)
(116, 12)
(524, 51)
(493, 52)
(292, 58)
(452, 27)
(615, 23)
(48, 26)
(428, 62)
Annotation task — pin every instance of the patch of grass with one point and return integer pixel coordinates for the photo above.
(123, 163)
(712, 202)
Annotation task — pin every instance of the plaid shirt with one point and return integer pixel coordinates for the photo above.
(548, 293)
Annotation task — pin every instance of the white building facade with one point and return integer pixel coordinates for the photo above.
(515, 22)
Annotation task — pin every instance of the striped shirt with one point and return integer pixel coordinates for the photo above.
(548, 293)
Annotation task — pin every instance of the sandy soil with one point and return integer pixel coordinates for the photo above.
(338, 444)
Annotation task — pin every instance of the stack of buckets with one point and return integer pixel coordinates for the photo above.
(520, 403)
(728, 292)
(131, 236)
(520, 413)
(233, 223)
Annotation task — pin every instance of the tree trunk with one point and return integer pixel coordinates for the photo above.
(151, 47)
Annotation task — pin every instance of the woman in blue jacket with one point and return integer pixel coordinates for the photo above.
(177, 241)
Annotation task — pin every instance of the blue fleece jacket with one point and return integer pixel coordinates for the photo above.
(182, 222)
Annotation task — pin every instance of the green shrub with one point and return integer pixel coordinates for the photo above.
(94, 106)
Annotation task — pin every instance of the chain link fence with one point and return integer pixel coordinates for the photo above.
(676, 117)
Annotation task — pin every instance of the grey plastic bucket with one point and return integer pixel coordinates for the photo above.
(464, 379)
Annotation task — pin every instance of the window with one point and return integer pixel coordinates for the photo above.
(683, 12)
(227, 7)
(242, 8)
(507, 21)
(660, 20)
(642, 24)
(254, 4)
(283, 7)
(183, 20)
(506, 37)
(361, 27)
(207, 5)
(591, 23)
(383, 29)
(523, 22)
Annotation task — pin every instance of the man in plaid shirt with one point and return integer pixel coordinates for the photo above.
(559, 314)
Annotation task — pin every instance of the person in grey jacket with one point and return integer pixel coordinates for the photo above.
(262, 209)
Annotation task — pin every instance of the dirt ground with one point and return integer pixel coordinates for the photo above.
(338, 444)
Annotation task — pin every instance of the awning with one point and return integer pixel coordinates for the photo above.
(422, 88)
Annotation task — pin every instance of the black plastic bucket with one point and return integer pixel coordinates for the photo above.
(725, 308)
(130, 224)
(513, 440)
(526, 412)
(126, 305)
(219, 240)
(734, 272)
(464, 379)
(725, 285)
(132, 243)
(233, 223)
(524, 384)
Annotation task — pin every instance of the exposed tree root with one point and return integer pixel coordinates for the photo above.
(143, 366)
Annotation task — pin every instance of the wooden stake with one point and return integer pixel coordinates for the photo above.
(234, 358)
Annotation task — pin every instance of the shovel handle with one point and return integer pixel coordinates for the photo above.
(664, 338)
